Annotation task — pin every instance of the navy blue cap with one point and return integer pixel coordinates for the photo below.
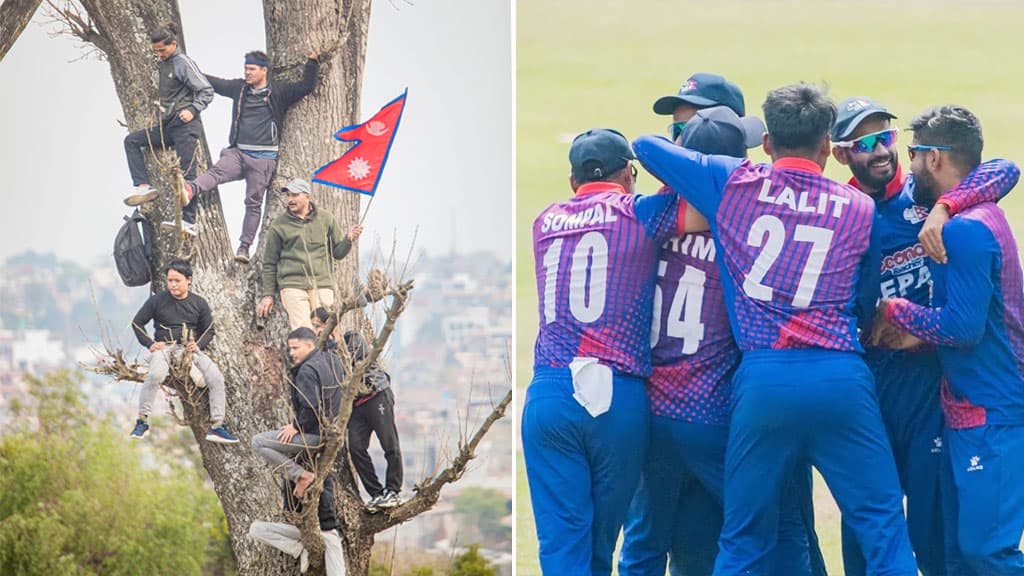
(704, 90)
(851, 112)
(719, 130)
(598, 153)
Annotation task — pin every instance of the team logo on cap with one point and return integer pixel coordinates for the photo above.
(858, 104)
(688, 86)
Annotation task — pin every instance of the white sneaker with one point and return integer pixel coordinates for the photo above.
(140, 195)
(303, 561)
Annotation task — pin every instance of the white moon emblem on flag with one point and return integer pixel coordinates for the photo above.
(358, 168)
(376, 128)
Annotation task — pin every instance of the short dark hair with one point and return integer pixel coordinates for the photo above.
(257, 55)
(302, 333)
(798, 116)
(180, 266)
(165, 34)
(953, 126)
(320, 313)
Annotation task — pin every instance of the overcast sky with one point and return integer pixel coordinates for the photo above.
(451, 170)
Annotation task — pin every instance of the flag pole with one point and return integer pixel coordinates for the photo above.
(367, 210)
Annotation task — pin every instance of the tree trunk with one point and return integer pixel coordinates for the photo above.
(14, 16)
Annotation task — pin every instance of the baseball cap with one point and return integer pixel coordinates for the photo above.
(704, 90)
(297, 185)
(718, 130)
(851, 112)
(597, 153)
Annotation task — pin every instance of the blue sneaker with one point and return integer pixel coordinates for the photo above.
(221, 435)
(141, 427)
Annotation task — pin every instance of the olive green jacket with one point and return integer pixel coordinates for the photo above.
(299, 252)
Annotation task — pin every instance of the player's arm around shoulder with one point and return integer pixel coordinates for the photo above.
(699, 178)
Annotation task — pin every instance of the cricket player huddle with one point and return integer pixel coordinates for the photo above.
(701, 348)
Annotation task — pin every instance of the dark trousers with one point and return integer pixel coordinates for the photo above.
(377, 416)
(908, 396)
(182, 137)
(236, 165)
(784, 411)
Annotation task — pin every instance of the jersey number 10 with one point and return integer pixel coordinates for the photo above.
(589, 262)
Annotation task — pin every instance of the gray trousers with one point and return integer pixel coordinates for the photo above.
(281, 455)
(288, 539)
(159, 367)
(235, 165)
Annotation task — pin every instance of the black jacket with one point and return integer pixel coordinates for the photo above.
(280, 96)
(170, 316)
(325, 509)
(316, 390)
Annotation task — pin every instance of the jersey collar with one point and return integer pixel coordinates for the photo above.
(598, 187)
(891, 189)
(795, 163)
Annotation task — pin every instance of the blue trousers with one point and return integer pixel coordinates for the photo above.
(677, 510)
(817, 406)
(582, 470)
(983, 500)
(908, 396)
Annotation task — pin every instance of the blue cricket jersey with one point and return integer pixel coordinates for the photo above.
(596, 256)
(977, 320)
(906, 269)
(692, 348)
(799, 252)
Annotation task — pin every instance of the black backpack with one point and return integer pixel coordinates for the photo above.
(133, 251)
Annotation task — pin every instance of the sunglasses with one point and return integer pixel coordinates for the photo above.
(913, 149)
(867, 142)
(675, 129)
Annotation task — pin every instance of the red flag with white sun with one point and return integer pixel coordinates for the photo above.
(360, 168)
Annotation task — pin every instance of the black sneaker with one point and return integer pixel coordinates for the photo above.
(242, 255)
(141, 427)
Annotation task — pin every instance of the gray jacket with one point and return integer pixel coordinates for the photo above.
(181, 85)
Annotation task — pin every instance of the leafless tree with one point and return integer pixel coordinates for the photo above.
(251, 356)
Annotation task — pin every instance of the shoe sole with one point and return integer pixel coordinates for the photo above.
(219, 440)
(140, 199)
(134, 437)
(241, 260)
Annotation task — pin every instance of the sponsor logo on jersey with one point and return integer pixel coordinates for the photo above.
(903, 260)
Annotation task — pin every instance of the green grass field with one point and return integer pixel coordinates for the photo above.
(584, 64)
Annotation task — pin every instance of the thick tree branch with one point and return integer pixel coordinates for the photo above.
(14, 16)
(429, 489)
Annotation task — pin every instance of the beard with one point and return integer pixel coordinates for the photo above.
(925, 189)
(876, 171)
